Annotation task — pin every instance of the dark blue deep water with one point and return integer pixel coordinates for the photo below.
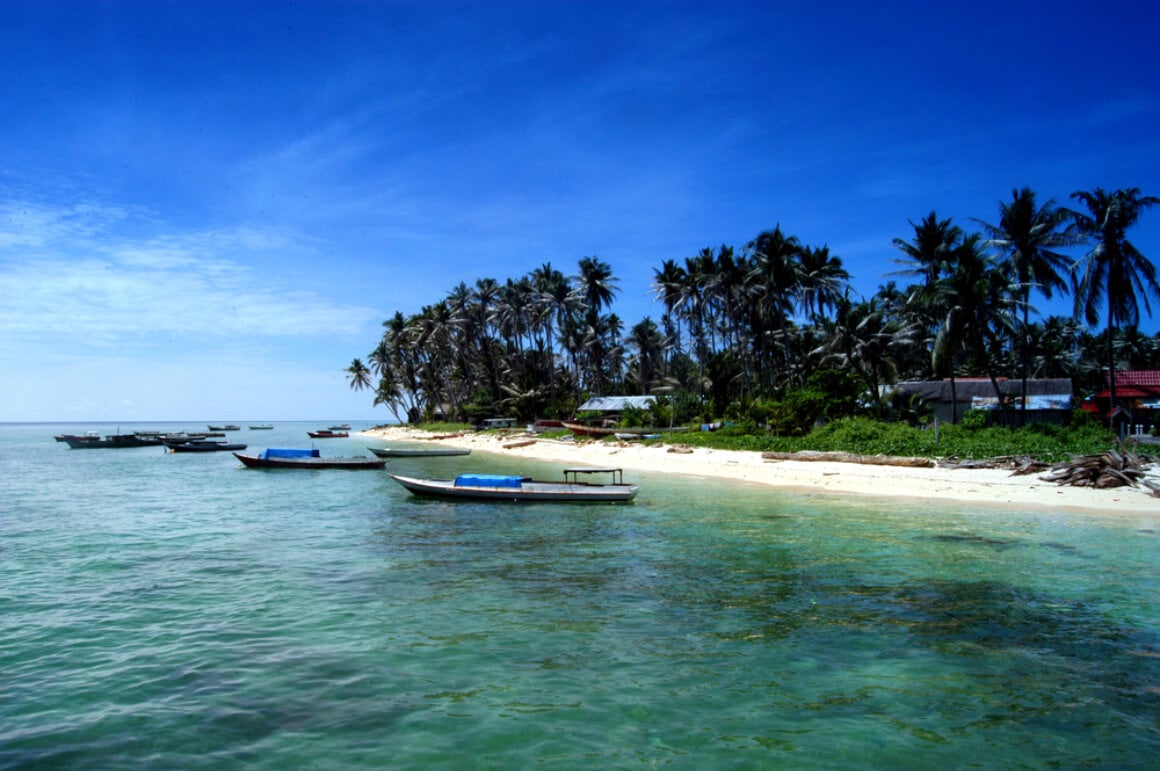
(179, 611)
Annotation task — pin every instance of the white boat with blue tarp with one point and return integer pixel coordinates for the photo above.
(295, 458)
(519, 488)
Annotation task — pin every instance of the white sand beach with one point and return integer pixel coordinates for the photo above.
(976, 486)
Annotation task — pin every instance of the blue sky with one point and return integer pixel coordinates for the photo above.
(208, 208)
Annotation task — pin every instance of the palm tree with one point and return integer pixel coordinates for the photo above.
(596, 287)
(1028, 235)
(774, 280)
(1114, 270)
(977, 297)
(821, 282)
(929, 257)
(358, 375)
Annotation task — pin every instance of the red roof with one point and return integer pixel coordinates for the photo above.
(1128, 392)
(1136, 377)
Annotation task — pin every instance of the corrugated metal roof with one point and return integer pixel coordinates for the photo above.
(969, 388)
(616, 403)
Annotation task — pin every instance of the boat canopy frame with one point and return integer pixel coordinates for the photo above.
(572, 475)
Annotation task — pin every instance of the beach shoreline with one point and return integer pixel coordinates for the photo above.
(983, 487)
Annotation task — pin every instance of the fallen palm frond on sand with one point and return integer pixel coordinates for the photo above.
(1110, 468)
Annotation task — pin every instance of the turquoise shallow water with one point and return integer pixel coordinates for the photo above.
(179, 611)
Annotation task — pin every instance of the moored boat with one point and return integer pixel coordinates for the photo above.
(518, 488)
(262, 427)
(88, 436)
(418, 452)
(227, 427)
(599, 432)
(327, 433)
(305, 459)
(339, 427)
(204, 445)
(115, 441)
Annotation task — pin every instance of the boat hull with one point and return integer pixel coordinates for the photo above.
(196, 446)
(529, 490)
(357, 463)
(110, 442)
(327, 434)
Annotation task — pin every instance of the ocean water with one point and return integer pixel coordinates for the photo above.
(178, 611)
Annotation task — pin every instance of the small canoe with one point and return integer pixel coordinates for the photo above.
(306, 459)
(516, 488)
(418, 452)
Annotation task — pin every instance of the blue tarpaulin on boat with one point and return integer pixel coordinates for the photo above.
(487, 480)
(276, 453)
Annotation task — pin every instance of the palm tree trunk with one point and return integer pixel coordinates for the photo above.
(954, 399)
(1026, 361)
(1111, 365)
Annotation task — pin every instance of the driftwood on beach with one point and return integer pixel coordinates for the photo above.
(849, 457)
(1110, 468)
(1018, 465)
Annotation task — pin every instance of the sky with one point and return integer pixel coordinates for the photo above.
(207, 209)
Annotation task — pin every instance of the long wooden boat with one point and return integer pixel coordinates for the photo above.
(263, 427)
(115, 441)
(88, 436)
(203, 445)
(227, 427)
(579, 429)
(516, 488)
(418, 452)
(305, 459)
(326, 433)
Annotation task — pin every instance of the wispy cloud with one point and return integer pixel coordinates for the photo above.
(66, 279)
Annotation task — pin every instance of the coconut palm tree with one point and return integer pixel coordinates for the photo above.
(1113, 271)
(773, 280)
(1027, 235)
(358, 375)
(821, 281)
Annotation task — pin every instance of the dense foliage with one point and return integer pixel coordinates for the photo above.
(772, 337)
(866, 436)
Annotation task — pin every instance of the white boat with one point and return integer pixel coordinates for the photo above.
(517, 488)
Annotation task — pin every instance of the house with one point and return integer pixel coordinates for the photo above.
(499, 423)
(610, 407)
(1049, 400)
(1137, 407)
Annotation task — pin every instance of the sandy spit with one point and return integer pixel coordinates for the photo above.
(988, 487)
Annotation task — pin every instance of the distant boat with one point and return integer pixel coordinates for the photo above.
(203, 445)
(340, 427)
(306, 459)
(227, 427)
(517, 488)
(327, 433)
(114, 441)
(264, 427)
(418, 452)
(88, 436)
